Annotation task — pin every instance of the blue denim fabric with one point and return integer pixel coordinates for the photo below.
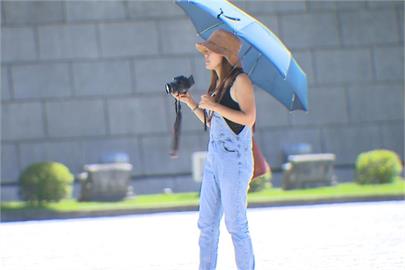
(227, 171)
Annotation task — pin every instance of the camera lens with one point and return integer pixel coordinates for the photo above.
(168, 88)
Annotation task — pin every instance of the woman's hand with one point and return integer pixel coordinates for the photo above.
(185, 98)
(207, 102)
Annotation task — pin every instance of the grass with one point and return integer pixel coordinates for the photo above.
(268, 195)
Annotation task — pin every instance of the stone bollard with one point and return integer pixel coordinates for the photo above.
(198, 161)
(105, 182)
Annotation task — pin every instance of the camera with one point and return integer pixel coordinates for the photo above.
(179, 85)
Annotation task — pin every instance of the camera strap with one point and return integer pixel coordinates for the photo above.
(176, 129)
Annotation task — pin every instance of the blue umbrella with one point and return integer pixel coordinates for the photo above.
(264, 57)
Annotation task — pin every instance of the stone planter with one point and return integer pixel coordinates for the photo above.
(309, 170)
(105, 182)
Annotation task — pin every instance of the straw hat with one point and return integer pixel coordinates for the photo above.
(224, 43)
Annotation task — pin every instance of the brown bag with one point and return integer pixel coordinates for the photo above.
(261, 166)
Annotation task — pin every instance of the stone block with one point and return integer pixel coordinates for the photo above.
(271, 22)
(269, 111)
(41, 80)
(33, 12)
(140, 115)
(5, 84)
(316, 30)
(327, 105)
(342, 66)
(350, 5)
(151, 75)
(369, 27)
(22, 121)
(376, 103)
(95, 149)
(304, 59)
(349, 141)
(393, 137)
(202, 76)
(94, 10)
(273, 141)
(67, 41)
(179, 37)
(152, 185)
(185, 184)
(129, 39)
(9, 163)
(153, 9)
(372, 4)
(69, 153)
(75, 118)
(271, 7)
(321, 6)
(102, 78)
(156, 158)
(389, 63)
(400, 16)
(17, 44)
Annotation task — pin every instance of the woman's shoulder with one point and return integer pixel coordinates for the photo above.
(242, 80)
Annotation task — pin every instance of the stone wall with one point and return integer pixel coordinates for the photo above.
(80, 79)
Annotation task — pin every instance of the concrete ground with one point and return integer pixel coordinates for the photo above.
(355, 236)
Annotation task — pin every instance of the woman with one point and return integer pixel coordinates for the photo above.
(229, 166)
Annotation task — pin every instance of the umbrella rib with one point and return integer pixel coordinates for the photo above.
(209, 28)
(254, 66)
(248, 50)
(292, 102)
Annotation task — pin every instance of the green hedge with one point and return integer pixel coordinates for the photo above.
(45, 182)
(379, 166)
(261, 182)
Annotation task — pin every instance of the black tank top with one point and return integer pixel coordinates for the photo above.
(229, 102)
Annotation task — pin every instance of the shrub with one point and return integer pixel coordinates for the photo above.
(377, 167)
(260, 182)
(45, 182)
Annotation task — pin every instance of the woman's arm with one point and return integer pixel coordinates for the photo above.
(244, 93)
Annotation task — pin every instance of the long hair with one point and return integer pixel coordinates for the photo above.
(226, 70)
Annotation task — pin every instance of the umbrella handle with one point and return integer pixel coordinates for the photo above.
(228, 17)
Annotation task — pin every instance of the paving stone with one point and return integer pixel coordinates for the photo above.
(69, 153)
(129, 39)
(41, 81)
(376, 103)
(347, 143)
(310, 30)
(80, 118)
(389, 63)
(33, 12)
(343, 66)
(9, 163)
(94, 10)
(369, 27)
(17, 44)
(141, 115)
(22, 121)
(360, 239)
(67, 41)
(151, 75)
(102, 78)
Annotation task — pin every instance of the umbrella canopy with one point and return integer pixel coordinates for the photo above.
(264, 57)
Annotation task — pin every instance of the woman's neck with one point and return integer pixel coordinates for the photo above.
(218, 72)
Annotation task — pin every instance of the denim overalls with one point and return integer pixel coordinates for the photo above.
(227, 171)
